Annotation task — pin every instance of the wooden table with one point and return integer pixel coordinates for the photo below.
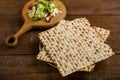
(20, 63)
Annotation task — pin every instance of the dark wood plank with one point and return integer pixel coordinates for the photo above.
(13, 7)
(20, 67)
(28, 43)
(87, 7)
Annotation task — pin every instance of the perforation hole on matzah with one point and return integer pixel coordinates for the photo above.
(86, 51)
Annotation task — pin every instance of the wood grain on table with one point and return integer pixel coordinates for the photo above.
(20, 63)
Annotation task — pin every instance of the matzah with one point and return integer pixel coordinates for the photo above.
(73, 48)
(44, 56)
(104, 33)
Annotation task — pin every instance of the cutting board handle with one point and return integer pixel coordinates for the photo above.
(12, 41)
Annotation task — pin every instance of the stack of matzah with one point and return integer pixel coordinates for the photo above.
(74, 46)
